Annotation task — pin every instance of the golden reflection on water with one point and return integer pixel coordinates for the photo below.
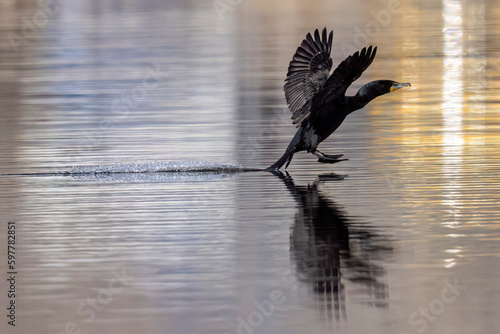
(446, 127)
(452, 109)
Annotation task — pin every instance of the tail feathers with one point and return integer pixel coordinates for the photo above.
(285, 159)
(294, 146)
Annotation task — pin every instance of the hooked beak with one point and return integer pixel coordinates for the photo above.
(397, 85)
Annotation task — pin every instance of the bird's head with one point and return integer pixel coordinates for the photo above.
(379, 87)
(375, 88)
(388, 86)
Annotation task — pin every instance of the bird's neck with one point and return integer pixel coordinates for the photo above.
(362, 97)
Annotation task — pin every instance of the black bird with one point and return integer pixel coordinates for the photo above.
(317, 100)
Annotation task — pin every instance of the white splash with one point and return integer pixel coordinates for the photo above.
(160, 166)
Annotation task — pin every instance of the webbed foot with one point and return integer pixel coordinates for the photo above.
(333, 156)
(329, 159)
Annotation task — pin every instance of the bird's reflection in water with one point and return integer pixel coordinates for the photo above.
(331, 249)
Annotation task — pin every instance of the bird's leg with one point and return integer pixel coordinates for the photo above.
(331, 159)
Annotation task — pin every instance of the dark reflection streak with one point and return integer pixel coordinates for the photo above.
(327, 245)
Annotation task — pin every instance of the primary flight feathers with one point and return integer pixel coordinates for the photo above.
(308, 83)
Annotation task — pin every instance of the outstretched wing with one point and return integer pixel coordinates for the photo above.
(308, 72)
(344, 75)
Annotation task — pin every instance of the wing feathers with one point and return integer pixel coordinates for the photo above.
(308, 71)
(344, 75)
(307, 85)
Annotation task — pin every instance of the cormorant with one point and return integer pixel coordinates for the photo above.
(317, 100)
